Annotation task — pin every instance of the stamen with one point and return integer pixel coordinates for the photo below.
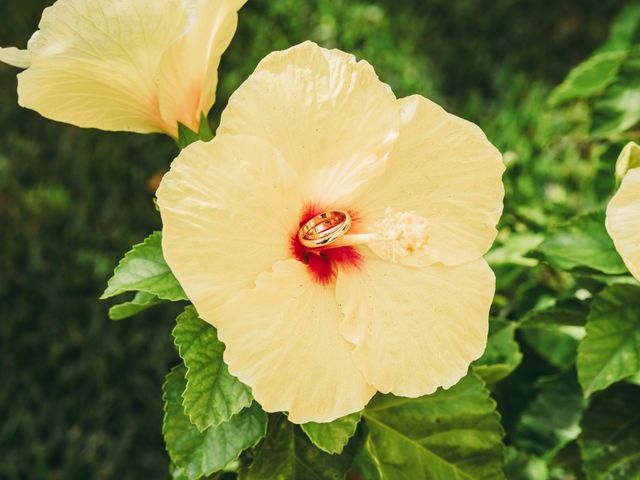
(396, 236)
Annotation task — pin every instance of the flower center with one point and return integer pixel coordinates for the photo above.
(313, 242)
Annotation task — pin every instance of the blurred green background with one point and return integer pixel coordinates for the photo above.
(80, 395)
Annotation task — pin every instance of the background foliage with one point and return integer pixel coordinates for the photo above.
(81, 393)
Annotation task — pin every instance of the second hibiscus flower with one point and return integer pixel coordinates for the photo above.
(334, 236)
(139, 66)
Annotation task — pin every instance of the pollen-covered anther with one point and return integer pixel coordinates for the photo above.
(399, 235)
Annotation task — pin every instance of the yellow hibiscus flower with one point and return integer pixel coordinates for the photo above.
(623, 220)
(334, 236)
(140, 66)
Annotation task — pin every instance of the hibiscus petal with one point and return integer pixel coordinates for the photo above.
(95, 62)
(623, 221)
(415, 329)
(328, 114)
(229, 208)
(444, 169)
(15, 57)
(282, 340)
(189, 69)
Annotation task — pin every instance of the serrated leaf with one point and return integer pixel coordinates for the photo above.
(179, 474)
(453, 433)
(589, 78)
(287, 454)
(583, 242)
(212, 394)
(552, 419)
(333, 436)
(502, 354)
(610, 351)
(196, 454)
(141, 302)
(144, 269)
(610, 440)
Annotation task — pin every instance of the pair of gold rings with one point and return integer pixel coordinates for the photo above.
(324, 228)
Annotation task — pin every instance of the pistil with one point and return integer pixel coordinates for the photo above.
(395, 236)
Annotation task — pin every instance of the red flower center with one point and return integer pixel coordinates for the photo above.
(323, 262)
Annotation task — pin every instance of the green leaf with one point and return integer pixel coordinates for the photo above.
(618, 109)
(194, 453)
(589, 78)
(144, 269)
(502, 354)
(287, 454)
(178, 473)
(522, 466)
(212, 394)
(567, 464)
(558, 345)
(140, 303)
(624, 31)
(571, 314)
(453, 433)
(610, 351)
(610, 440)
(583, 242)
(553, 417)
(366, 464)
(554, 332)
(514, 250)
(593, 75)
(634, 379)
(332, 437)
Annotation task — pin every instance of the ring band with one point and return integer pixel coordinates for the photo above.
(324, 229)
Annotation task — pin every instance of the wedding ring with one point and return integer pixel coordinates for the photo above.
(324, 229)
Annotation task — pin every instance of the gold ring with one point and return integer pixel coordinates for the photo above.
(324, 229)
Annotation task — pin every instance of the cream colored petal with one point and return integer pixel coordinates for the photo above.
(95, 62)
(623, 221)
(15, 57)
(189, 70)
(444, 169)
(282, 340)
(229, 208)
(328, 114)
(415, 329)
